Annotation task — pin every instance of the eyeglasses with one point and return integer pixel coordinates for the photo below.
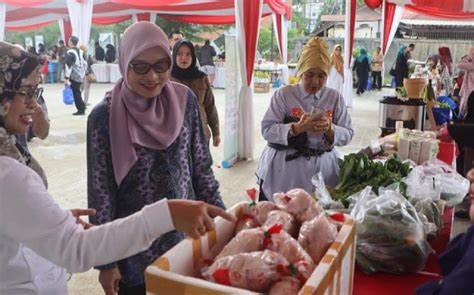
(31, 93)
(141, 68)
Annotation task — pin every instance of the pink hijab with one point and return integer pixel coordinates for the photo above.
(150, 122)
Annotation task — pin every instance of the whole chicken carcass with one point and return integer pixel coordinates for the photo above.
(285, 219)
(245, 221)
(248, 240)
(299, 203)
(259, 210)
(316, 236)
(256, 271)
(300, 260)
(287, 286)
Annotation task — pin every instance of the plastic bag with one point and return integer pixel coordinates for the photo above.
(245, 241)
(316, 236)
(430, 214)
(453, 186)
(324, 198)
(366, 193)
(68, 96)
(256, 271)
(421, 186)
(293, 252)
(390, 235)
(285, 219)
(298, 203)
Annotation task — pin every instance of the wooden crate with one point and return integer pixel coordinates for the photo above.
(261, 87)
(176, 273)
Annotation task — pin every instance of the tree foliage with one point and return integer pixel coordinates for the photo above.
(52, 35)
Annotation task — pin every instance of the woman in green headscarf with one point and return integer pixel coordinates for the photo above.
(362, 67)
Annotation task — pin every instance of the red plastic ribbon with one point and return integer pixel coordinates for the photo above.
(222, 276)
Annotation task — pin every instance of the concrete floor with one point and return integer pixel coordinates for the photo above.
(63, 154)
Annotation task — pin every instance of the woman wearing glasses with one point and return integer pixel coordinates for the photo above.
(145, 142)
(39, 241)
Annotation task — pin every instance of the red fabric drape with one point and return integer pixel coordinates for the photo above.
(204, 20)
(280, 7)
(199, 19)
(102, 21)
(443, 6)
(352, 26)
(67, 30)
(26, 3)
(389, 14)
(441, 14)
(29, 27)
(143, 17)
(251, 24)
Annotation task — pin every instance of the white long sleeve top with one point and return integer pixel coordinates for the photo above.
(39, 240)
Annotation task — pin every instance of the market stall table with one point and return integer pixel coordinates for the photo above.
(106, 73)
(219, 77)
(114, 73)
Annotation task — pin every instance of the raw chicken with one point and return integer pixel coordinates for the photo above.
(259, 210)
(287, 286)
(256, 271)
(289, 248)
(245, 221)
(283, 218)
(248, 240)
(316, 236)
(299, 203)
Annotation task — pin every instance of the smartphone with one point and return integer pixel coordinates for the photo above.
(317, 113)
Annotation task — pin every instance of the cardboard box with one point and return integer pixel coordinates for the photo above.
(177, 270)
(261, 87)
(415, 150)
(429, 151)
(404, 149)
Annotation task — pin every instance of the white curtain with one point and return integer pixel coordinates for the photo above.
(80, 15)
(347, 88)
(61, 29)
(284, 44)
(3, 15)
(246, 132)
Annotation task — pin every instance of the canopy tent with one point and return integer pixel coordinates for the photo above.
(392, 11)
(76, 16)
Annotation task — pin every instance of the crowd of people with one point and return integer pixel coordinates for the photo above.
(150, 181)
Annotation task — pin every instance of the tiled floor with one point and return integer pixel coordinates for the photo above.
(63, 154)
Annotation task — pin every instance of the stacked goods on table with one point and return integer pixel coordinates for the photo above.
(277, 248)
(418, 146)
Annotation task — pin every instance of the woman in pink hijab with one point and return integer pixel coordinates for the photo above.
(466, 64)
(145, 142)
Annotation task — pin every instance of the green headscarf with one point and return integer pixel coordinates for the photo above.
(362, 55)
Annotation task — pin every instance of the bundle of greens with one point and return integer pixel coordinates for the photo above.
(390, 236)
(357, 171)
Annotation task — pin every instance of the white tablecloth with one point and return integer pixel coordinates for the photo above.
(106, 73)
(219, 79)
(114, 73)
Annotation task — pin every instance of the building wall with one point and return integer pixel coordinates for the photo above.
(362, 30)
